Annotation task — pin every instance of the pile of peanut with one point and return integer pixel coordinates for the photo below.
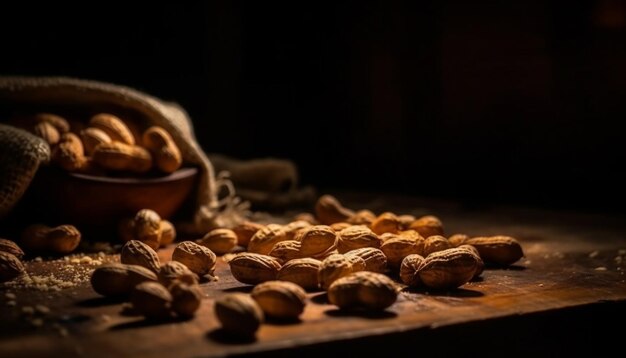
(353, 256)
(106, 144)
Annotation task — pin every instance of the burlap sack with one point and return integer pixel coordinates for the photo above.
(21, 153)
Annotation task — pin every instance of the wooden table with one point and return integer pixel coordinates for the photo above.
(549, 304)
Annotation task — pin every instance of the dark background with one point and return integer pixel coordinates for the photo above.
(516, 102)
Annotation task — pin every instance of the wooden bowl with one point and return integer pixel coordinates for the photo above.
(99, 203)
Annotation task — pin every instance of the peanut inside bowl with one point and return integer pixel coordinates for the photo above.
(105, 168)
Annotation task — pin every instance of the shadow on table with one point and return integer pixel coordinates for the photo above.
(100, 302)
(457, 292)
(147, 322)
(222, 336)
(336, 312)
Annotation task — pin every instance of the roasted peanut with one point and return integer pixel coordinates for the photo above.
(151, 299)
(245, 231)
(480, 265)
(308, 217)
(405, 221)
(448, 269)
(186, 299)
(113, 127)
(457, 240)
(335, 267)
(363, 290)
(427, 226)
(61, 239)
(173, 271)
(92, 137)
(435, 243)
(58, 122)
(10, 266)
(386, 222)
(164, 150)
(121, 156)
(375, 260)
(356, 237)
(11, 247)
(168, 233)
(398, 248)
(69, 152)
(239, 314)
(197, 258)
(135, 252)
(116, 279)
(409, 274)
(362, 217)
(329, 211)
(147, 228)
(220, 241)
(254, 268)
(499, 250)
(317, 240)
(293, 228)
(286, 250)
(47, 132)
(339, 226)
(302, 272)
(280, 299)
(264, 240)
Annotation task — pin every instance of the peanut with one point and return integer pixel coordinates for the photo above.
(58, 122)
(362, 217)
(427, 226)
(457, 240)
(375, 260)
(48, 132)
(317, 240)
(168, 233)
(186, 299)
(334, 267)
(167, 156)
(286, 250)
(197, 258)
(147, 228)
(329, 211)
(435, 243)
(398, 248)
(308, 217)
(11, 247)
(264, 240)
(499, 250)
(92, 137)
(405, 221)
(363, 290)
(294, 227)
(448, 269)
(302, 272)
(173, 271)
(254, 268)
(239, 314)
(61, 239)
(220, 241)
(69, 152)
(116, 279)
(480, 265)
(280, 299)
(409, 274)
(123, 157)
(10, 266)
(339, 226)
(356, 237)
(245, 231)
(386, 222)
(135, 252)
(151, 300)
(113, 127)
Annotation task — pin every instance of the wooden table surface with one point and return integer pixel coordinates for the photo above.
(573, 262)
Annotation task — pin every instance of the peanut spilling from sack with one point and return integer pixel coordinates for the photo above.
(148, 227)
